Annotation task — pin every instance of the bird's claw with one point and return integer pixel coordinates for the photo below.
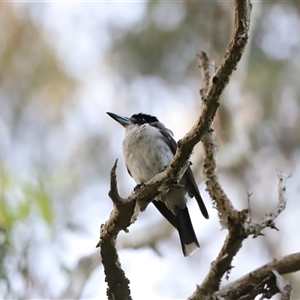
(138, 186)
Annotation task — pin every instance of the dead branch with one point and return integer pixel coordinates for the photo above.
(238, 223)
(145, 237)
(260, 280)
(118, 284)
(222, 203)
(268, 220)
(228, 216)
(239, 229)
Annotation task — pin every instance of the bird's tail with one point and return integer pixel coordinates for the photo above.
(189, 242)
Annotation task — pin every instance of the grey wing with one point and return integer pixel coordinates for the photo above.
(191, 184)
(167, 136)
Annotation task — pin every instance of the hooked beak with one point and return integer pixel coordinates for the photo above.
(124, 121)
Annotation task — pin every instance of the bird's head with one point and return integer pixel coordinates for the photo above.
(136, 119)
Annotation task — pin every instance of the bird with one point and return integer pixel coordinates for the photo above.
(148, 148)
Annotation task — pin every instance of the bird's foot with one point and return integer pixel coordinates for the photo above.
(138, 186)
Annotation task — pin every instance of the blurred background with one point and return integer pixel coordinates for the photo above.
(64, 65)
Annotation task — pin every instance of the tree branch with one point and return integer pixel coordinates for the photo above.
(144, 237)
(229, 217)
(226, 211)
(260, 280)
(120, 218)
(268, 220)
(220, 200)
(118, 284)
(125, 209)
(236, 235)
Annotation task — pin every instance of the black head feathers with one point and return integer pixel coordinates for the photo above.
(143, 119)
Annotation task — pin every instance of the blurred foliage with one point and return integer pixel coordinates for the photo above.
(165, 42)
(20, 203)
(19, 198)
(31, 79)
(31, 73)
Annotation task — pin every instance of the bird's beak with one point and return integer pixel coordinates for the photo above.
(124, 121)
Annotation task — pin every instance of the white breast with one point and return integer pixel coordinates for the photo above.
(145, 152)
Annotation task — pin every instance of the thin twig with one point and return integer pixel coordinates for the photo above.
(268, 220)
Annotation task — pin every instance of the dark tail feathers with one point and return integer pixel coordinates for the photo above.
(187, 235)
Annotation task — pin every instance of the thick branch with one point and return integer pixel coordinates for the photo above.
(252, 282)
(118, 284)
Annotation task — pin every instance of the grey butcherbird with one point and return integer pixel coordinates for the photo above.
(148, 148)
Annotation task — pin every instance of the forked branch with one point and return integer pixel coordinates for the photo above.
(124, 211)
